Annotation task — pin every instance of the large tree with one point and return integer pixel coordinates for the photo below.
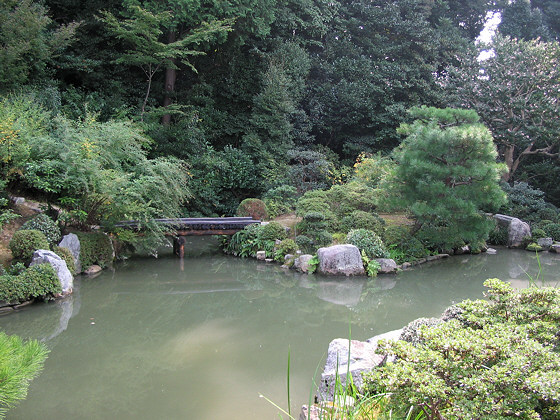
(447, 176)
(517, 95)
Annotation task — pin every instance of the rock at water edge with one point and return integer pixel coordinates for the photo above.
(302, 263)
(66, 279)
(340, 260)
(72, 242)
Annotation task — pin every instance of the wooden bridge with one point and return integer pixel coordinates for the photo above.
(181, 227)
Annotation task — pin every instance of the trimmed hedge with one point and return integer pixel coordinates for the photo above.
(39, 281)
(25, 242)
(46, 225)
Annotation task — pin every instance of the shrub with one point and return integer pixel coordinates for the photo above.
(360, 219)
(252, 207)
(527, 203)
(46, 225)
(20, 362)
(312, 201)
(95, 248)
(25, 242)
(498, 236)
(552, 230)
(280, 200)
(339, 238)
(345, 199)
(533, 246)
(367, 241)
(272, 231)
(537, 234)
(313, 226)
(38, 281)
(287, 246)
(499, 357)
(402, 245)
(67, 256)
(304, 243)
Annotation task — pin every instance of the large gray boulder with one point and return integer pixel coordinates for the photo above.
(545, 243)
(72, 242)
(340, 260)
(362, 358)
(66, 279)
(518, 230)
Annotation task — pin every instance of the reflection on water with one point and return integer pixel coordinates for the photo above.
(201, 340)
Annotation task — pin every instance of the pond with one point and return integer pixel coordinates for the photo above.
(203, 338)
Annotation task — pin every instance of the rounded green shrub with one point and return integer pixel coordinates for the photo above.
(552, 230)
(360, 219)
(272, 231)
(25, 242)
(537, 233)
(254, 208)
(46, 225)
(403, 246)
(280, 200)
(67, 256)
(304, 243)
(367, 241)
(38, 281)
(287, 246)
(95, 248)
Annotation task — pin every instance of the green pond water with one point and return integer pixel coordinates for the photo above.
(203, 338)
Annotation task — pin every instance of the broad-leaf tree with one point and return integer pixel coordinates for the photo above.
(517, 95)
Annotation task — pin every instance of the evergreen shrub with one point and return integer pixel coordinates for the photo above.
(552, 230)
(280, 200)
(39, 281)
(287, 246)
(367, 241)
(254, 208)
(497, 359)
(25, 242)
(402, 246)
(537, 233)
(95, 248)
(498, 236)
(46, 225)
(305, 244)
(67, 256)
(272, 231)
(360, 219)
(345, 199)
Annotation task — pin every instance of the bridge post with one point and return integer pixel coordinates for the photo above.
(179, 246)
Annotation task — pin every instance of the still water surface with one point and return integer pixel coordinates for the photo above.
(202, 339)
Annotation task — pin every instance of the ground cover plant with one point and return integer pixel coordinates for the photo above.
(495, 358)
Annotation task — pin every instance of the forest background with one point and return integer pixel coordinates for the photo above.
(135, 109)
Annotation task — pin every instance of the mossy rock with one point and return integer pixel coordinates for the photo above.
(534, 247)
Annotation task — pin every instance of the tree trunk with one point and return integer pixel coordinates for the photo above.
(508, 159)
(170, 78)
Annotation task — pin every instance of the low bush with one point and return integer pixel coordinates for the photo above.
(360, 219)
(313, 226)
(305, 244)
(272, 231)
(497, 359)
(25, 242)
(347, 198)
(95, 248)
(402, 246)
(46, 225)
(498, 236)
(67, 256)
(537, 234)
(367, 241)
(552, 230)
(252, 207)
(280, 200)
(39, 281)
(287, 246)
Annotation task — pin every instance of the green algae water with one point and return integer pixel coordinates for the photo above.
(201, 339)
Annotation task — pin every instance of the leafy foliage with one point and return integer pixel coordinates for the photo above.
(368, 242)
(497, 359)
(46, 225)
(287, 246)
(25, 242)
(39, 281)
(402, 245)
(67, 256)
(95, 248)
(254, 208)
(280, 200)
(20, 362)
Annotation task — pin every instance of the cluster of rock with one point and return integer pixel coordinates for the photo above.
(71, 242)
(353, 358)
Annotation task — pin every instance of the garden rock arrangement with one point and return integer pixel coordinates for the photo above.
(340, 260)
(66, 278)
(518, 230)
